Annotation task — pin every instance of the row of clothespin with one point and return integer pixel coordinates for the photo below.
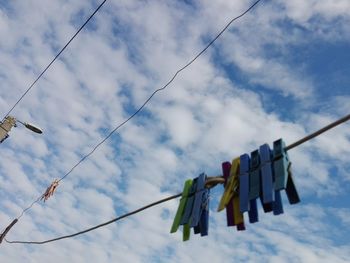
(261, 175)
(193, 210)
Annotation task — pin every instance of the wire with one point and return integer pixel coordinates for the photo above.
(147, 100)
(317, 133)
(211, 182)
(55, 58)
(98, 226)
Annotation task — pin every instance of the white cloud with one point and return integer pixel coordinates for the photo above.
(202, 119)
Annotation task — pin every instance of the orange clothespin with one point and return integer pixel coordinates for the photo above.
(50, 190)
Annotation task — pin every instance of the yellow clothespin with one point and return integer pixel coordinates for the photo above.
(231, 186)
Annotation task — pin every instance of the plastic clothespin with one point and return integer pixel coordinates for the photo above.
(198, 201)
(268, 193)
(196, 209)
(234, 181)
(226, 167)
(185, 219)
(280, 164)
(231, 185)
(180, 209)
(283, 173)
(203, 224)
(244, 183)
(246, 204)
(254, 182)
(187, 211)
(254, 186)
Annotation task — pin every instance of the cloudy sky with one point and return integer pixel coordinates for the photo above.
(280, 71)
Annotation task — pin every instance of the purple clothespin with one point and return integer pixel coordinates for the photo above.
(226, 167)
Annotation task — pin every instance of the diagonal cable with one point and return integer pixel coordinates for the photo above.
(55, 58)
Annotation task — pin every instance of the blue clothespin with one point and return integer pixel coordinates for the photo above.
(196, 212)
(268, 196)
(204, 220)
(244, 183)
(198, 201)
(283, 173)
(254, 175)
(254, 186)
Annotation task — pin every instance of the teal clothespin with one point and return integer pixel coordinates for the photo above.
(283, 173)
(280, 165)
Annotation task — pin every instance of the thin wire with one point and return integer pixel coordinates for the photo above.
(317, 133)
(211, 182)
(149, 98)
(52, 61)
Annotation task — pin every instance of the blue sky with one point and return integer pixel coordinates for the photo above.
(280, 71)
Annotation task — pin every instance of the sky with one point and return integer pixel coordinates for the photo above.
(281, 71)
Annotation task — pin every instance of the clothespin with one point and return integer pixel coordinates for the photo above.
(280, 164)
(283, 173)
(268, 193)
(187, 211)
(196, 210)
(277, 205)
(185, 219)
(244, 183)
(231, 185)
(203, 224)
(230, 197)
(234, 176)
(254, 182)
(245, 203)
(50, 190)
(180, 209)
(198, 201)
(254, 186)
(226, 167)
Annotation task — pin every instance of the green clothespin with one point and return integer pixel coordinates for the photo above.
(180, 209)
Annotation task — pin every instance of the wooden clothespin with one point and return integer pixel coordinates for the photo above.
(50, 190)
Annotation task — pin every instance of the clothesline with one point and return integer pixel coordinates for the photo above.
(210, 182)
